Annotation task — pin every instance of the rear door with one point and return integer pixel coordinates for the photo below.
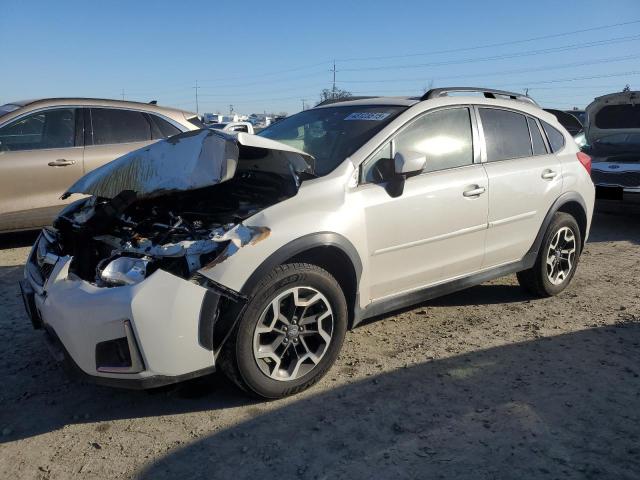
(41, 154)
(114, 132)
(525, 178)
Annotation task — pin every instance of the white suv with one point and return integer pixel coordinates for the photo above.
(254, 254)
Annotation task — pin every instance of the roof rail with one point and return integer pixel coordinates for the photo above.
(487, 92)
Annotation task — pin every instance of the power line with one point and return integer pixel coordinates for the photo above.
(492, 45)
(563, 48)
(503, 72)
(560, 80)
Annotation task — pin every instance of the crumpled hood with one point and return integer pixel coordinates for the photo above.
(187, 161)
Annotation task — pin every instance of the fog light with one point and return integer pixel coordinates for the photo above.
(120, 355)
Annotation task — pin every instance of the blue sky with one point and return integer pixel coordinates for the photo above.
(260, 55)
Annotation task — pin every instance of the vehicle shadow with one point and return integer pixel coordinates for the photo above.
(557, 406)
(615, 221)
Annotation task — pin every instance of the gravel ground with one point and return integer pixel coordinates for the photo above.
(486, 383)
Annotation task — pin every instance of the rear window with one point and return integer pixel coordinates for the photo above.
(506, 134)
(618, 116)
(119, 126)
(556, 138)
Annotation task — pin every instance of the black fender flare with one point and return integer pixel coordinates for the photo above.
(560, 201)
(299, 245)
(216, 323)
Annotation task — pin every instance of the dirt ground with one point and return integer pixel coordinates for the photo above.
(483, 384)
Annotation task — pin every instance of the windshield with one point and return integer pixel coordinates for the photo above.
(332, 134)
(218, 126)
(8, 108)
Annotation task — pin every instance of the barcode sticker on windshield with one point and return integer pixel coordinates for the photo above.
(375, 116)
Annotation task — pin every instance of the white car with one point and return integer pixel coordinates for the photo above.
(612, 138)
(255, 254)
(246, 127)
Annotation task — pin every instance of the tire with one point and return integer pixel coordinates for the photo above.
(239, 359)
(545, 280)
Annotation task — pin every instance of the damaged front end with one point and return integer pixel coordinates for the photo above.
(120, 282)
(177, 205)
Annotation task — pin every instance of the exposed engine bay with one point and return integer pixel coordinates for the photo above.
(122, 240)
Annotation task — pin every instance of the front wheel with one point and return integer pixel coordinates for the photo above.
(290, 333)
(557, 259)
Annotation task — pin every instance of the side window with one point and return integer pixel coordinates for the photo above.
(556, 139)
(48, 129)
(444, 137)
(506, 134)
(537, 141)
(111, 125)
(162, 128)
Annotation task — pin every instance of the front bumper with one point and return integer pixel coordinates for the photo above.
(160, 320)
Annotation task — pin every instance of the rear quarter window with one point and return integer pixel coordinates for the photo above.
(556, 138)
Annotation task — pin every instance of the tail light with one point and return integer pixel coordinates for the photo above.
(585, 160)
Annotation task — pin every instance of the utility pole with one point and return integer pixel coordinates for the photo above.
(333, 89)
(197, 106)
(123, 94)
(303, 105)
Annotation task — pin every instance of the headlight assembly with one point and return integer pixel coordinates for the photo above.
(125, 271)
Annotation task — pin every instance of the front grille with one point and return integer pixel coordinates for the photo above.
(618, 179)
(45, 270)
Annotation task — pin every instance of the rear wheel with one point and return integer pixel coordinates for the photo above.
(557, 259)
(290, 333)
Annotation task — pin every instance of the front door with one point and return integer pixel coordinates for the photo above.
(40, 157)
(435, 230)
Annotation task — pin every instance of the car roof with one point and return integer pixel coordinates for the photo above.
(393, 101)
(106, 102)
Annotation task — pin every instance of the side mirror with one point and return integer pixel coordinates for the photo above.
(408, 163)
(404, 165)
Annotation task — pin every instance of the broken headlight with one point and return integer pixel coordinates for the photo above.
(124, 271)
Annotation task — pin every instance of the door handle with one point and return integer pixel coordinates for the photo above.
(61, 162)
(549, 174)
(475, 191)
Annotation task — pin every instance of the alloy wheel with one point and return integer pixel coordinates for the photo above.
(293, 333)
(561, 255)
